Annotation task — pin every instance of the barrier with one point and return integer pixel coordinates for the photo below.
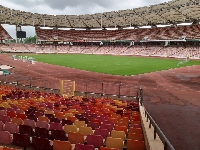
(67, 87)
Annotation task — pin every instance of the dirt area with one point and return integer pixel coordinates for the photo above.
(172, 97)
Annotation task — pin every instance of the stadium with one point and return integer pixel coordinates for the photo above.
(120, 80)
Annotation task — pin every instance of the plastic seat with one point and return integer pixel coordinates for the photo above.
(135, 130)
(106, 148)
(84, 119)
(60, 117)
(18, 121)
(8, 148)
(22, 140)
(43, 118)
(118, 134)
(72, 118)
(41, 143)
(136, 145)
(120, 123)
(39, 113)
(114, 143)
(83, 147)
(93, 125)
(70, 128)
(134, 136)
(96, 120)
(56, 120)
(11, 127)
(95, 140)
(42, 124)
(136, 125)
(109, 127)
(22, 116)
(55, 126)
(85, 130)
(5, 118)
(61, 145)
(5, 137)
(75, 138)
(3, 112)
(1, 126)
(66, 122)
(11, 114)
(121, 128)
(79, 124)
(32, 117)
(41, 132)
(103, 132)
(58, 135)
(25, 129)
(108, 122)
(30, 122)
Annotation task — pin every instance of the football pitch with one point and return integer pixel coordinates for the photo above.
(116, 65)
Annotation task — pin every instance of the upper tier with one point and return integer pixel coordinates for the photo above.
(172, 12)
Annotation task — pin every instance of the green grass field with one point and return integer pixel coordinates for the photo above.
(108, 64)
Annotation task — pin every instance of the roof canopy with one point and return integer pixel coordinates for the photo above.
(173, 12)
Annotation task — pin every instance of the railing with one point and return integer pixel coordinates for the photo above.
(157, 130)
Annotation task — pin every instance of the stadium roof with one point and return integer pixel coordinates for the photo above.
(172, 12)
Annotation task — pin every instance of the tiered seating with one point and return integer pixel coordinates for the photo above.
(79, 123)
(163, 33)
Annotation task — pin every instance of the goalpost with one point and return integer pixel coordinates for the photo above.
(183, 60)
(67, 87)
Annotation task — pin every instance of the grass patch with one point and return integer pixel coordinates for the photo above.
(108, 64)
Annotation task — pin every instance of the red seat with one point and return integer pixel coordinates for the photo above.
(3, 112)
(95, 140)
(109, 127)
(84, 147)
(56, 126)
(42, 124)
(103, 132)
(30, 122)
(136, 145)
(5, 118)
(93, 125)
(1, 126)
(5, 137)
(11, 127)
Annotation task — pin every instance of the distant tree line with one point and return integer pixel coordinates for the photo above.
(31, 39)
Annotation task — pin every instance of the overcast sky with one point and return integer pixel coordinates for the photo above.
(70, 7)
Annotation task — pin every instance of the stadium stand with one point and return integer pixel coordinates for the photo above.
(19, 131)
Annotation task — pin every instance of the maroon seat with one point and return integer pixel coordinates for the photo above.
(95, 140)
(84, 147)
(41, 132)
(25, 129)
(103, 132)
(22, 140)
(41, 143)
(58, 135)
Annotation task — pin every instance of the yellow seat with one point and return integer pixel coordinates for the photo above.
(118, 134)
(114, 143)
(86, 130)
(70, 128)
(79, 124)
